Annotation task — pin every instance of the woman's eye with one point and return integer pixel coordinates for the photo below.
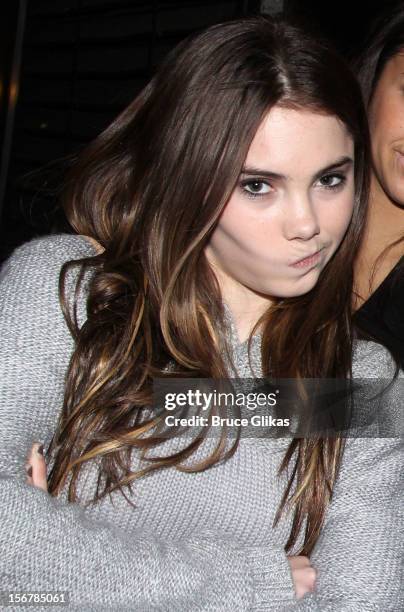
(256, 188)
(332, 181)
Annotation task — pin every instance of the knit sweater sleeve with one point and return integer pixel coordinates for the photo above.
(359, 555)
(50, 545)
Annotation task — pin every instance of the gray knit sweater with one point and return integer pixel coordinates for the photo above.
(195, 541)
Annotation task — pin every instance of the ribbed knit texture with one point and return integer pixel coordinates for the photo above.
(201, 541)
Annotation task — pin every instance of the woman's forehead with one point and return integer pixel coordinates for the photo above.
(290, 140)
(394, 68)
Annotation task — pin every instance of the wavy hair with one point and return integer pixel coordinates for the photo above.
(150, 190)
(384, 41)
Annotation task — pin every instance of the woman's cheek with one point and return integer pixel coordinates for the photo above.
(343, 214)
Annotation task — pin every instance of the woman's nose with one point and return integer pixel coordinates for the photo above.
(301, 220)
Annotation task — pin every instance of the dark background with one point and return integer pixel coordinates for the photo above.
(69, 66)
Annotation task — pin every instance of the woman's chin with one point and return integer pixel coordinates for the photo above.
(293, 288)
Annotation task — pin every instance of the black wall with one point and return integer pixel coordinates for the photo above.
(83, 61)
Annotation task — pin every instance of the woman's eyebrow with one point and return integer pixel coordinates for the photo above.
(342, 161)
(251, 171)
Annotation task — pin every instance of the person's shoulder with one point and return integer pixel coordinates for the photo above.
(51, 249)
(379, 390)
(29, 278)
(372, 360)
(41, 259)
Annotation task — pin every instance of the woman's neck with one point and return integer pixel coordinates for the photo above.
(385, 225)
(244, 320)
(246, 307)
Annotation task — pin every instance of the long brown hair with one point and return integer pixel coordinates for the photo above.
(150, 190)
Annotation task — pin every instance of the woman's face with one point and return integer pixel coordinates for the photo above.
(290, 209)
(386, 121)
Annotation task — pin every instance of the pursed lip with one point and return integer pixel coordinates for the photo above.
(306, 257)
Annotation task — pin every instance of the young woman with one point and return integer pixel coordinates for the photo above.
(216, 224)
(380, 268)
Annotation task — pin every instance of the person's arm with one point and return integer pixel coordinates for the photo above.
(359, 556)
(49, 545)
(358, 548)
(360, 553)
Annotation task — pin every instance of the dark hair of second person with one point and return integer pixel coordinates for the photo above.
(380, 267)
